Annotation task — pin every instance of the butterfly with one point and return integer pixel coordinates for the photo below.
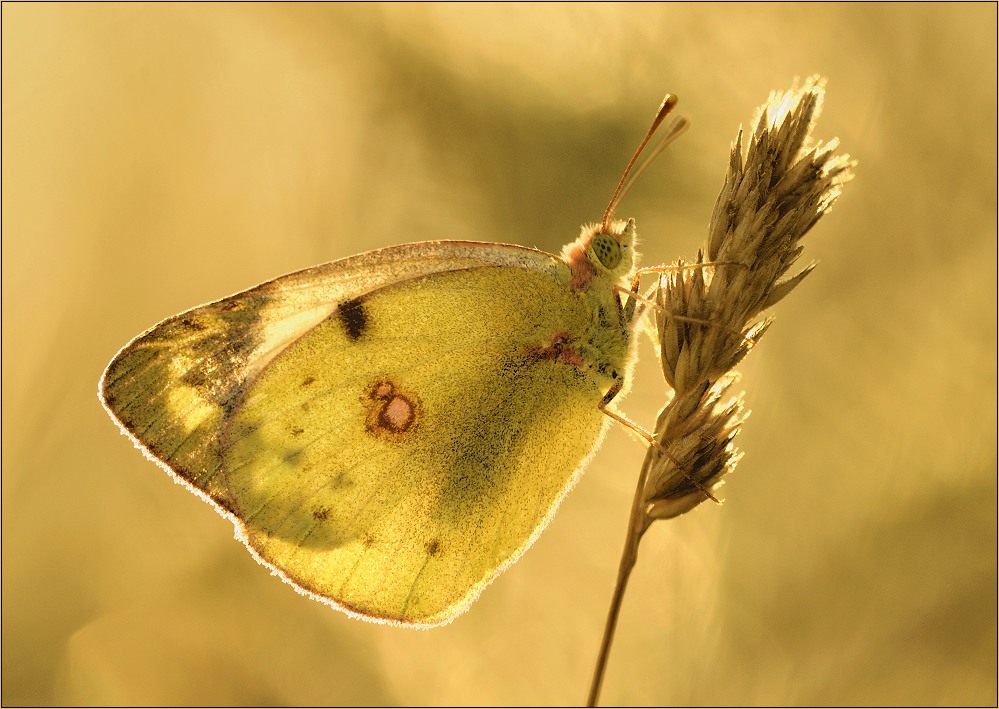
(390, 431)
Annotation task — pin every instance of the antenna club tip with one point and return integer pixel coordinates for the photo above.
(670, 101)
(668, 104)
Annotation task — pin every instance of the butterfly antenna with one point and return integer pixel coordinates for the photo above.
(664, 109)
(675, 131)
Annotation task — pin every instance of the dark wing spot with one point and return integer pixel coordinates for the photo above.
(340, 480)
(246, 429)
(296, 431)
(433, 546)
(307, 381)
(321, 514)
(353, 317)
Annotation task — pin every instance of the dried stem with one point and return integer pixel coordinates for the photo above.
(707, 320)
(636, 527)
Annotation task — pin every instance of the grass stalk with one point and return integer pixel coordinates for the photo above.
(709, 317)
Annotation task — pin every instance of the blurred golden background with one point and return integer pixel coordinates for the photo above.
(159, 156)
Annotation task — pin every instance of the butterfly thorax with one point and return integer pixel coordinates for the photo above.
(601, 262)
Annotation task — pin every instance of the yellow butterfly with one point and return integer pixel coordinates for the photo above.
(391, 431)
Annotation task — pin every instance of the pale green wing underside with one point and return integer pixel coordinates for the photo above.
(388, 448)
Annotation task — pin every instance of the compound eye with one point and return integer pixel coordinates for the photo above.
(607, 250)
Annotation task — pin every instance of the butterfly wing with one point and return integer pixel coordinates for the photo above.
(387, 447)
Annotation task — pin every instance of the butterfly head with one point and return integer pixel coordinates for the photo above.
(602, 252)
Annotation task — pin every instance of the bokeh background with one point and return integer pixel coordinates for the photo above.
(159, 156)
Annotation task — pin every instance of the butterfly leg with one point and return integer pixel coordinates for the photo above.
(748, 341)
(647, 436)
(633, 293)
(665, 268)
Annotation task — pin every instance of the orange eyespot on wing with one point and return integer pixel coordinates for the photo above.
(391, 412)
